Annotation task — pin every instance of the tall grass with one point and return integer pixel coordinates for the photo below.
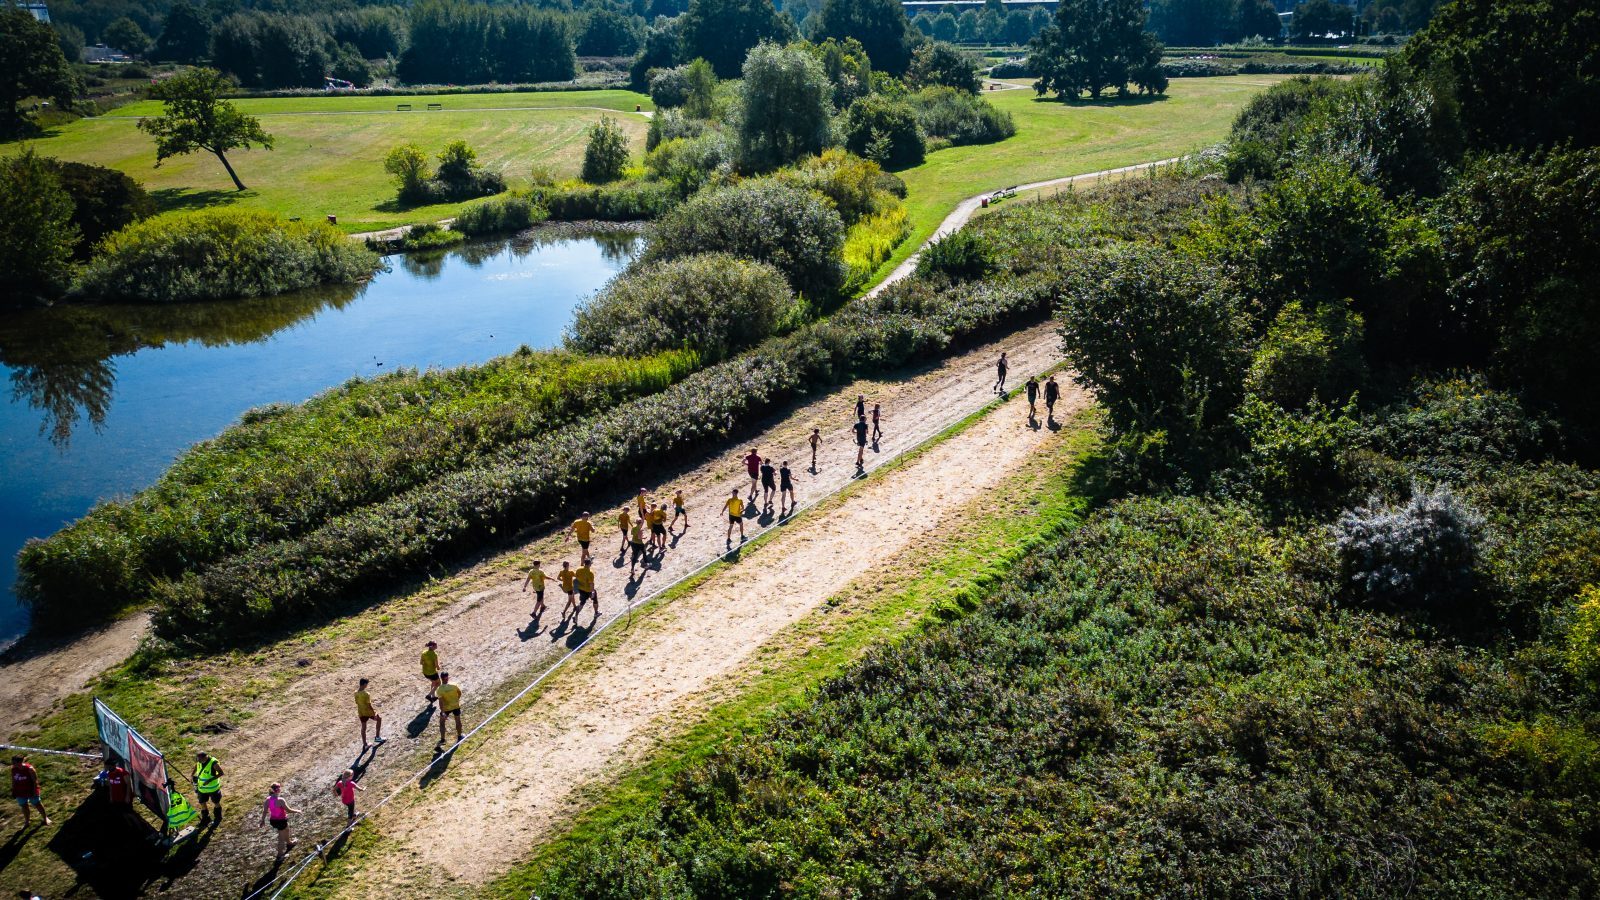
(870, 241)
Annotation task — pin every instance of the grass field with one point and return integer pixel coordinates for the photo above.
(329, 153)
(1055, 139)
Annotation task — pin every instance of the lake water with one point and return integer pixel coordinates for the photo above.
(103, 398)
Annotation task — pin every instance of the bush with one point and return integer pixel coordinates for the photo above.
(458, 177)
(763, 220)
(1419, 554)
(869, 242)
(220, 254)
(670, 125)
(621, 201)
(606, 155)
(428, 236)
(498, 215)
(936, 63)
(857, 187)
(960, 117)
(714, 304)
(1583, 638)
(669, 88)
(1296, 457)
(1308, 356)
(960, 255)
(103, 201)
(884, 131)
(37, 235)
(689, 164)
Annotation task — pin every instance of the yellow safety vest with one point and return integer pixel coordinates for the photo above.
(179, 812)
(206, 780)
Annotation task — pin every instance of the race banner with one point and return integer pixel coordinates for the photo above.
(145, 763)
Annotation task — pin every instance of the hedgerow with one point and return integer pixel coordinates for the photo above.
(498, 215)
(620, 201)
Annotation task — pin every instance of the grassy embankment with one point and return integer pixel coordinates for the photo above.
(330, 150)
(1056, 139)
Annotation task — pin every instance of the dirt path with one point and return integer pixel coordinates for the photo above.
(60, 669)
(509, 790)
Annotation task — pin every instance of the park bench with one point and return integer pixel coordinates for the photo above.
(402, 107)
(432, 106)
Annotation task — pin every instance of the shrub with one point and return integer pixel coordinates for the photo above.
(670, 125)
(411, 170)
(869, 242)
(959, 254)
(1419, 554)
(103, 201)
(1308, 356)
(429, 236)
(219, 254)
(669, 88)
(857, 187)
(763, 220)
(621, 201)
(690, 164)
(1583, 638)
(960, 117)
(785, 109)
(458, 177)
(1296, 457)
(884, 131)
(936, 63)
(37, 235)
(714, 304)
(498, 215)
(606, 155)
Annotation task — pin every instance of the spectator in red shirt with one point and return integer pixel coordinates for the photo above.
(25, 790)
(118, 784)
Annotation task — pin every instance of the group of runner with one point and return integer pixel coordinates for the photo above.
(1052, 390)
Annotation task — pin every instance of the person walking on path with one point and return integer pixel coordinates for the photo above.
(275, 812)
(624, 522)
(658, 527)
(877, 430)
(208, 783)
(449, 706)
(752, 467)
(642, 501)
(1000, 368)
(769, 484)
(679, 510)
(583, 530)
(583, 582)
(25, 790)
(430, 669)
(816, 441)
(861, 443)
(345, 789)
(1052, 393)
(567, 578)
(636, 545)
(786, 501)
(365, 712)
(861, 406)
(535, 579)
(734, 507)
(1033, 396)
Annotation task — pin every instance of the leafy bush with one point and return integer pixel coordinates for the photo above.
(498, 215)
(1583, 638)
(1419, 554)
(103, 201)
(286, 470)
(1296, 457)
(689, 164)
(606, 155)
(763, 220)
(1308, 356)
(621, 201)
(884, 131)
(714, 304)
(219, 254)
(785, 108)
(37, 235)
(429, 236)
(936, 63)
(669, 88)
(857, 187)
(458, 176)
(960, 117)
(959, 254)
(670, 125)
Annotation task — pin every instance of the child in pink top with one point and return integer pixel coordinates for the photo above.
(276, 812)
(346, 788)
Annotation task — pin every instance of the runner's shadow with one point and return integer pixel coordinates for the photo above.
(1054, 425)
(673, 544)
(579, 634)
(765, 518)
(419, 723)
(332, 851)
(559, 630)
(531, 631)
(260, 884)
(441, 762)
(13, 846)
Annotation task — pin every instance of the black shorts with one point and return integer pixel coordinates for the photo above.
(433, 678)
(539, 595)
(658, 529)
(767, 483)
(213, 797)
(279, 824)
(638, 550)
(452, 712)
(679, 511)
(585, 596)
(350, 808)
(366, 719)
(583, 545)
(861, 440)
(733, 518)
(788, 486)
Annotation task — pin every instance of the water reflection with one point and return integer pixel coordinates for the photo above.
(62, 358)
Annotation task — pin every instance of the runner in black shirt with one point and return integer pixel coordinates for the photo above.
(768, 485)
(861, 443)
(1033, 396)
(1052, 393)
(877, 432)
(1000, 369)
(786, 499)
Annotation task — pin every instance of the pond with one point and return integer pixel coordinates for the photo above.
(104, 398)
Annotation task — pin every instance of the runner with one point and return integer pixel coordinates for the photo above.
(769, 484)
(430, 669)
(1000, 368)
(752, 466)
(449, 706)
(877, 432)
(861, 406)
(208, 784)
(735, 509)
(861, 443)
(345, 789)
(643, 502)
(1033, 396)
(276, 812)
(816, 441)
(25, 790)
(536, 579)
(624, 520)
(364, 711)
(678, 509)
(786, 490)
(658, 527)
(636, 544)
(583, 581)
(583, 530)
(567, 578)
(1052, 393)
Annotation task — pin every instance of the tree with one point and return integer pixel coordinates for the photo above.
(661, 50)
(1317, 19)
(722, 32)
(606, 155)
(349, 66)
(71, 39)
(945, 28)
(880, 26)
(409, 166)
(103, 201)
(606, 32)
(849, 70)
(786, 107)
(293, 52)
(36, 230)
(884, 131)
(1094, 45)
(126, 35)
(185, 34)
(700, 101)
(31, 65)
(197, 118)
(236, 46)
(939, 63)
(1258, 18)
(1019, 28)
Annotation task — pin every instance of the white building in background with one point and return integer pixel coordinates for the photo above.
(39, 10)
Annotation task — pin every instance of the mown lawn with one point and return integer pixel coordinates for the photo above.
(1054, 139)
(329, 153)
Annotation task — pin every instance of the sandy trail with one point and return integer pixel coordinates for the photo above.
(507, 792)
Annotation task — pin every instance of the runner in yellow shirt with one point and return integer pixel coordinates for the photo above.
(566, 576)
(449, 706)
(636, 544)
(658, 527)
(366, 712)
(430, 669)
(583, 580)
(583, 530)
(536, 580)
(643, 502)
(624, 522)
(735, 509)
(679, 510)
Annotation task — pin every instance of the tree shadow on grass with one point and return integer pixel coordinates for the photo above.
(169, 199)
(1109, 100)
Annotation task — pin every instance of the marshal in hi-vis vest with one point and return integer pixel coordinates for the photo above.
(206, 779)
